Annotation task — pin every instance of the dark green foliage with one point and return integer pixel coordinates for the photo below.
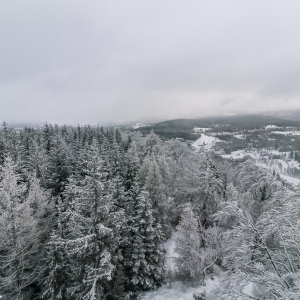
(173, 134)
(231, 123)
(93, 234)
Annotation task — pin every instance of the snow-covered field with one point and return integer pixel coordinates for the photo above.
(256, 158)
(240, 154)
(272, 127)
(293, 180)
(205, 142)
(296, 133)
(138, 125)
(239, 136)
(200, 129)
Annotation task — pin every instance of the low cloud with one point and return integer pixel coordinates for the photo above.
(96, 61)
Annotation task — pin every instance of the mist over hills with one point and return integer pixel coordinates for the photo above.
(241, 121)
(286, 114)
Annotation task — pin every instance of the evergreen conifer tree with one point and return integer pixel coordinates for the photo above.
(188, 245)
(147, 250)
(19, 236)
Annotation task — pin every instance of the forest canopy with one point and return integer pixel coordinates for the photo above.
(85, 211)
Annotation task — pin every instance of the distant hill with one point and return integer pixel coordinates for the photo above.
(241, 121)
(183, 128)
(286, 114)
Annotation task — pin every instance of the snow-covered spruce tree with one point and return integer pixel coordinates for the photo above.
(42, 212)
(9, 144)
(147, 251)
(47, 136)
(131, 169)
(60, 275)
(98, 267)
(142, 249)
(212, 193)
(108, 155)
(35, 159)
(4, 147)
(87, 243)
(188, 262)
(59, 168)
(115, 160)
(156, 188)
(153, 145)
(19, 236)
(131, 190)
(67, 245)
(114, 289)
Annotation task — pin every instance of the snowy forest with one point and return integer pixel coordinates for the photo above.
(85, 213)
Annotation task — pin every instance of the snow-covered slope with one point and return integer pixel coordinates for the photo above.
(206, 142)
(272, 127)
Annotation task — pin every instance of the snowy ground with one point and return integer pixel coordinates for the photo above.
(205, 142)
(178, 290)
(171, 254)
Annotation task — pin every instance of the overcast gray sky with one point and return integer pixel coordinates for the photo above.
(94, 61)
